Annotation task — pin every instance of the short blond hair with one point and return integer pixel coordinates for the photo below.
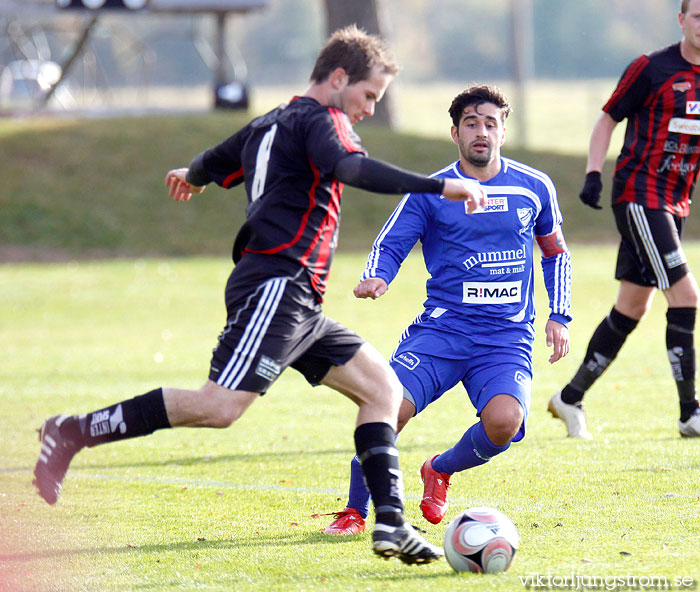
(356, 52)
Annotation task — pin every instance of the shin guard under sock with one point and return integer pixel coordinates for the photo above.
(605, 344)
(139, 416)
(379, 458)
(358, 495)
(680, 346)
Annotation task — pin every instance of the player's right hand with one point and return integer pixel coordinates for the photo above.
(370, 288)
(465, 190)
(590, 194)
(180, 189)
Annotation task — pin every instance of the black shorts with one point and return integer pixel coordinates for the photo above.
(275, 321)
(650, 251)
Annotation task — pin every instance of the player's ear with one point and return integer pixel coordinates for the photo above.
(454, 132)
(338, 78)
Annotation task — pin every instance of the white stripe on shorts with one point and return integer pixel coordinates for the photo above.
(641, 224)
(248, 346)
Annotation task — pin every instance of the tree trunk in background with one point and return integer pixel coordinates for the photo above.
(370, 16)
(522, 64)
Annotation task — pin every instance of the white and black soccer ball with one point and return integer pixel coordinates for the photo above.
(481, 540)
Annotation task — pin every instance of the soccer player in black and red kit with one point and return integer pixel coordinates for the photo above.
(656, 172)
(293, 161)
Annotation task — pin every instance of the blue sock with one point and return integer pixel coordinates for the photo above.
(472, 450)
(358, 495)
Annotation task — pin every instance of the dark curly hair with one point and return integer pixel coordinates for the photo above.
(478, 95)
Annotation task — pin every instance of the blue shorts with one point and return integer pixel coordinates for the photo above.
(437, 353)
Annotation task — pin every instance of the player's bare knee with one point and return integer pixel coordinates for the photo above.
(221, 406)
(502, 426)
(369, 379)
(500, 434)
(225, 417)
(636, 310)
(225, 413)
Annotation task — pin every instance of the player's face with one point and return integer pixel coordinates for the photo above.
(480, 134)
(359, 99)
(690, 24)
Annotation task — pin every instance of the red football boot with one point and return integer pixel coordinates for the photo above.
(435, 485)
(347, 521)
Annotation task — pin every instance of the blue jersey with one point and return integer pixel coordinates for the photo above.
(481, 265)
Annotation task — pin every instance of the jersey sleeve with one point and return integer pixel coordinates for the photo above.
(557, 279)
(404, 228)
(223, 163)
(329, 138)
(632, 90)
(556, 259)
(383, 177)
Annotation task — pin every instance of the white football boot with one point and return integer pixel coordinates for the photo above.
(691, 427)
(574, 417)
(405, 543)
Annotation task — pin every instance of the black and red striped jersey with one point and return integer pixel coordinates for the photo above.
(286, 159)
(659, 94)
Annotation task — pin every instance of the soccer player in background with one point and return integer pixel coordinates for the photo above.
(656, 171)
(477, 325)
(293, 161)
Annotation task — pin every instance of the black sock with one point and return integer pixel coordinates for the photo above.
(379, 458)
(680, 346)
(606, 342)
(139, 416)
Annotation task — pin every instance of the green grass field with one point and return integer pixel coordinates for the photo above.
(237, 509)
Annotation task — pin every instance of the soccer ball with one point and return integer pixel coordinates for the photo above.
(481, 540)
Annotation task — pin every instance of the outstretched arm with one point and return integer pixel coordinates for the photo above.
(381, 177)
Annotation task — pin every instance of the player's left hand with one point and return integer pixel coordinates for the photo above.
(590, 194)
(180, 189)
(370, 288)
(557, 337)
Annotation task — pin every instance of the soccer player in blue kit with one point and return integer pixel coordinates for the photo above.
(477, 325)
(293, 162)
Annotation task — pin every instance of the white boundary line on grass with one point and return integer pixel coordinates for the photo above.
(182, 482)
(209, 484)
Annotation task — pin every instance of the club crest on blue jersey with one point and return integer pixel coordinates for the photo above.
(525, 217)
